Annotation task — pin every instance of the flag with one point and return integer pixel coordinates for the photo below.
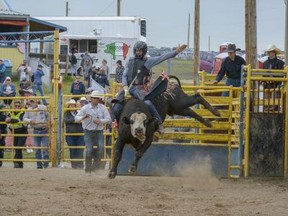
(117, 49)
(96, 86)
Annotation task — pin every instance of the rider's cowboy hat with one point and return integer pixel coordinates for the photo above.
(272, 47)
(96, 93)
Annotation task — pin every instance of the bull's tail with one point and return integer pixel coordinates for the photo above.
(176, 78)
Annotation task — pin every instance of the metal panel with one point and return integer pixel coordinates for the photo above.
(266, 144)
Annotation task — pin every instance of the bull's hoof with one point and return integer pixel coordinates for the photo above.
(112, 175)
(207, 123)
(132, 169)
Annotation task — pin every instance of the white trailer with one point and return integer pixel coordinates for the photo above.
(110, 38)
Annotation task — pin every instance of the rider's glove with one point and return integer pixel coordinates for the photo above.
(126, 91)
(179, 49)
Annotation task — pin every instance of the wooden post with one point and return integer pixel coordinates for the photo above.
(251, 33)
(196, 42)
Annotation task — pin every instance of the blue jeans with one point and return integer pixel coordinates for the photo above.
(41, 141)
(76, 153)
(93, 155)
(40, 89)
(138, 92)
(233, 82)
(73, 69)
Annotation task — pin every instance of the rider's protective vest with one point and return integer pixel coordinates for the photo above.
(16, 116)
(136, 65)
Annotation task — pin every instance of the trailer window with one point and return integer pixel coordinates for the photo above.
(64, 49)
(83, 46)
(92, 44)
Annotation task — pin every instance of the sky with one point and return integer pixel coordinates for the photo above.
(167, 20)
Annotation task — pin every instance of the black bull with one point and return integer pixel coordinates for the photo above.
(176, 102)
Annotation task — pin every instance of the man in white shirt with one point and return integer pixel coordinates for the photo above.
(93, 117)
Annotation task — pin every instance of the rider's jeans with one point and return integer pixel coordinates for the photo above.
(138, 92)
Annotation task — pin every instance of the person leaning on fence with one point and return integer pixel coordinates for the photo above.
(93, 116)
(3, 131)
(2, 70)
(38, 118)
(273, 63)
(18, 128)
(73, 141)
(231, 67)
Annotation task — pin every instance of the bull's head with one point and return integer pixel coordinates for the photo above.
(138, 123)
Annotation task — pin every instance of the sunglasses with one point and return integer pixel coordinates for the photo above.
(17, 106)
(95, 98)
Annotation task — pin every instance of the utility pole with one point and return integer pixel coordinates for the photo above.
(67, 8)
(251, 33)
(188, 38)
(118, 7)
(196, 41)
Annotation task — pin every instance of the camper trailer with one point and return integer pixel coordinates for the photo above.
(110, 38)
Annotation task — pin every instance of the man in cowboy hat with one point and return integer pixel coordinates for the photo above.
(93, 117)
(272, 63)
(231, 67)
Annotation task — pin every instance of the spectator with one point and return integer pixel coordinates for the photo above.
(2, 70)
(73, 61)
(83, 101)
(8, 90)
(3, 131)
(86, 64)
(14, 118)
(104, 69)
(3, 38)
(80, 71)
(119, 72)
(38, 118)
(24, 70)
(101, 78)
(77, 87)
(37, 82)
(93, 117)
(231, 66)
(273, 63)
(74, 140)
(25, 88)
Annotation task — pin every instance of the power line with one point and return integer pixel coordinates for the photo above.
(111, 3)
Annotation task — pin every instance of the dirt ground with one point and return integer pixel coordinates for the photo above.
(63, 191)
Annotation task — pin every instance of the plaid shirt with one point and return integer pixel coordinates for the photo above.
(119, 74)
